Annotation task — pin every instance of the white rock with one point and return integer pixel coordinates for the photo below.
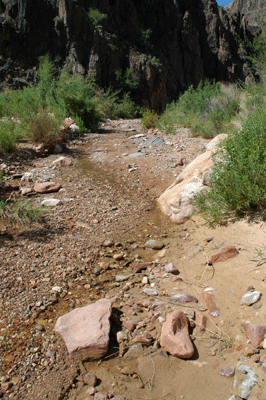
(50, 202)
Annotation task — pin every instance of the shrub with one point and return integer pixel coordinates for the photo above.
(208, 110)
(44, 128)
(149, 118)
(77, 96)
(8, 136)
(19, 212)
(96, 17)
(239, 172)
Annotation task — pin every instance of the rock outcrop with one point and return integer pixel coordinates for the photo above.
(176, 201)
(155, 49)
(251, 9)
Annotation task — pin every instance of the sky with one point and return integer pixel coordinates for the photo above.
(223, 2)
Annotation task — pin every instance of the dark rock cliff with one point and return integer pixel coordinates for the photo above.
(251, 9)
(155, 48)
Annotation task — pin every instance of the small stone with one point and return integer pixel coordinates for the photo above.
(90, 379)
(256, 333)
(154, 244)
(6, 385)
(145, 280)
(150, 292)
(255, 358)
(91, 391)
(250, 298)
(248, 352)
(182, 298)
(50, 202)
(130, 325)
(118, 257)
(238, 345)
(201, 320)
(121, 336)
(63, 161)
(100, 396)
(127, 371)
(223, 254)
(122, 278)
(175, 336)
(171, 269)
(134, 351)
(228, 372)
(207, 300)
(141, 266)
(40, 328)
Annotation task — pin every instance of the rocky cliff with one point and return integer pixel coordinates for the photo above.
(155, 48)
(251, 9)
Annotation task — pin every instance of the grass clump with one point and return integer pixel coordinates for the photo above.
(239, 173)
(149, 118)
(19, 212)
(208, 110)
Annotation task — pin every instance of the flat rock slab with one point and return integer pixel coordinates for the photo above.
(47, 187)
(223, 254)
(175, 336)
(85, 330)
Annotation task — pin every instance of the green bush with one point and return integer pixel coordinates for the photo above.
(77, 96)
(239, 172)
(9, 135)
(208, 110)
(149, 118)
(44, 128)
(96, 17)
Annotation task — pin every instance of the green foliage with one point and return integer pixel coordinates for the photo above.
(208, 110)
(44, 128)
(96, 17)
(149, 118)
(46, 82)
(239, 172)
(78, 96)
(8, 135)
(113, 106)
(126, 80)
(146, 36)
(20, 212)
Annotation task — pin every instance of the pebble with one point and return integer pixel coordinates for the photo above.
(150, 292)
(154, 244)
(250, 298)
(122, 278)
(183, 298)
(121, 336)
(50, 202)
(171, 269)
(90, 379)
(228, 372)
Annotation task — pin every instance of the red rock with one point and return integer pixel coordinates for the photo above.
(175, 336)
(86, 330)
(6, 385)
(228, 372)
(141, 266)
(171, 269)
(223, 254)
(248, 352)
(201, 320)
(238, 345)
(255, 358)
(90, 379)
(47, 187)
(130, 325)
(256, 333)
(207, 301)
(63, 161)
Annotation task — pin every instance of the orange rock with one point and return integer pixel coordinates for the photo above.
(175, 336)
(223, 254)
(201, 320)
(207, 301)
